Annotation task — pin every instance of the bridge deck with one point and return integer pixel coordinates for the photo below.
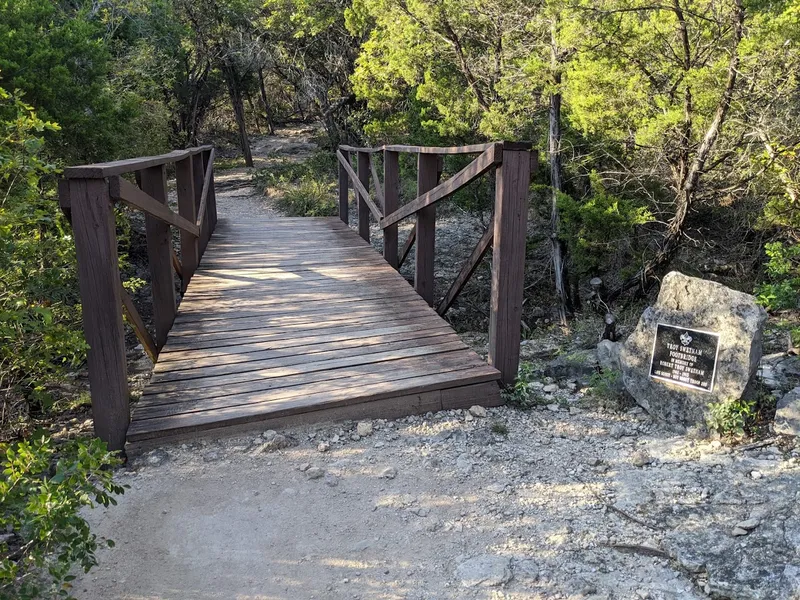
(302, 319)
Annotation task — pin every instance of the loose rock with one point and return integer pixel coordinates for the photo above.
(478, 411)
(364, 428)
(486, 570)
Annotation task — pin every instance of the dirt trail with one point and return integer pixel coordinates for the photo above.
(564, 501)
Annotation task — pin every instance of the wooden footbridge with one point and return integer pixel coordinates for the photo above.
(281, 320)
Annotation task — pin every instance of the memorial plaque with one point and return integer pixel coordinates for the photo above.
(685, 357)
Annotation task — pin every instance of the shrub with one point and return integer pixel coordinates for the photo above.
(308, 198)
(608, 391)
(39, 304)
(305, 189)
(743, 416)
(598, 227)
(783, 273)
(522, 393)
(42, 490)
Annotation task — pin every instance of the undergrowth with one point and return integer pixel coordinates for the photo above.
(301, 188)
(522, 394)
(43, 489)
(748, 416)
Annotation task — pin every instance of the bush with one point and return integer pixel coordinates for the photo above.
(743, 416)
(305, 189)
(39, 304)
(608, 391)
(783, 273)
(308, 198)
(522, 394)
(598, 227)
(42, 491)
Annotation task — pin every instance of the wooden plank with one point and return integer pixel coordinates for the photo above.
(344, 190)
(119, 167)
(486, 161)
(363, 199)
(361, 191)
(483, 394)
(333, 389)
(199, 175)
(471, 149)
(294, 339)
(209, 313)
(319, 314)
(407, 245)
(255, 410)
(205, 192)
(467, 269)
(138, 326)
(427, 175)
(376, 371)
(208, 158)
(98, 277)
(391, 200)
(129, 194)
(315, 346)
(239, 332)
(508, 262)
(376, 181)
(303, 365)
(159, 245)
(214, 307)
(190, 246)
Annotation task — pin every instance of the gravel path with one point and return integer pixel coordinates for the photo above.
(516, 505)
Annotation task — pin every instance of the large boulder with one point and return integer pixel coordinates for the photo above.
(695, 304)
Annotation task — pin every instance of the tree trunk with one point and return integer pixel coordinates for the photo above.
(235, 93)
(654, 268)
(555, 178)
(265, 102)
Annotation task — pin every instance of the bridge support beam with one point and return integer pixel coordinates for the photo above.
(98, 277)
(427, 179)
(508, 259)
(344, 190)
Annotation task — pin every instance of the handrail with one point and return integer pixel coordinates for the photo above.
(471, 149)
(124, 191)
(86, 195)
(506, 235)
(490, 157)
(363, 192)
(129, 165)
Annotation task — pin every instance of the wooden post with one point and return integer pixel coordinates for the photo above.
(427, 178)
(363, 209)
(159, 246)
(199, 172)
(190, 248)
(391, 201)
(344, 190)
(211, 205)
(508, 259)
(101, 301)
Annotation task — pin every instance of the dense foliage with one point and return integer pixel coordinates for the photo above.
(42, 490)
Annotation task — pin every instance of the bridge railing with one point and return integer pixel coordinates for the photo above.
(513, 163)
(87, 195)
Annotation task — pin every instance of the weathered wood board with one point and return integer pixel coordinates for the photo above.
(301, 318)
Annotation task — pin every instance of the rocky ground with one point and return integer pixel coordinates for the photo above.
(564, 501)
